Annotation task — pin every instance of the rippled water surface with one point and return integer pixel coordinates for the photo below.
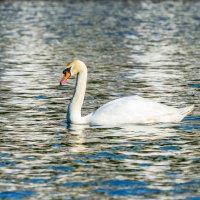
(151, 49)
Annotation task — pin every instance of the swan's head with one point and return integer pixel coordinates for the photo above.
(74, 67)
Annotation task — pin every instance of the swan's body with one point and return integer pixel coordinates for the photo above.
(126, 110)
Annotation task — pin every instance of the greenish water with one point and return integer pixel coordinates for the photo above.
(130, 47)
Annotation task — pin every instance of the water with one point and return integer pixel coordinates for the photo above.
(151, 49)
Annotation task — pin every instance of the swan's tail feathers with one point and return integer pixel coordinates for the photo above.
(187, 110)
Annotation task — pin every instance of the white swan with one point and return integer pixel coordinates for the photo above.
(126, 110)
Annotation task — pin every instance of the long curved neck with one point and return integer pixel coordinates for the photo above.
(74, 109)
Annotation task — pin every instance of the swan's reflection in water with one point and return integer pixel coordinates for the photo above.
(76, 138)
(79, 136)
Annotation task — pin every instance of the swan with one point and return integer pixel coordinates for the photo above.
(126, 110)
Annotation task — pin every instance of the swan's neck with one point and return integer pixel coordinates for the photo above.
(74, 109)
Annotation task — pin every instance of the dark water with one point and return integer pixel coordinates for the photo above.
(152, 49)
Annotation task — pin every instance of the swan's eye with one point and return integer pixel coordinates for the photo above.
(66, 70)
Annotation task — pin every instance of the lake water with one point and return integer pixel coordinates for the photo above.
(130, 47)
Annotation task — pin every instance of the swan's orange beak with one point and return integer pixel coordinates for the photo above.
(65, 77)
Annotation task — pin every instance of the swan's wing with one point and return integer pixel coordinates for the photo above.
(134, 109)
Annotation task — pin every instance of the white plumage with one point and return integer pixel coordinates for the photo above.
(126, 110)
